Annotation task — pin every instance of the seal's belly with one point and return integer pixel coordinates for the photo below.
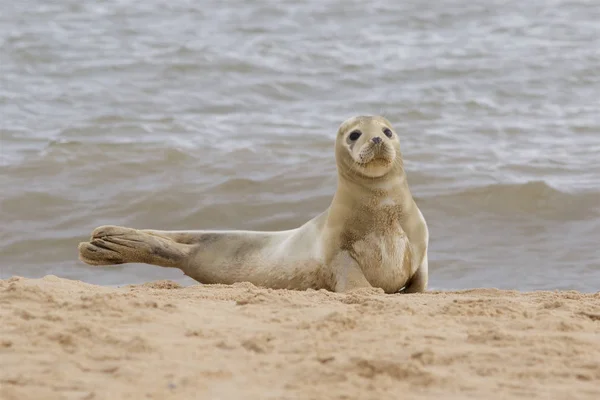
(386, 260)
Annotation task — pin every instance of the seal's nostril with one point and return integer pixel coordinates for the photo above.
(376, 140)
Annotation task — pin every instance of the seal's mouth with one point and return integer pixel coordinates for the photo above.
(379, 162)
(376, 155)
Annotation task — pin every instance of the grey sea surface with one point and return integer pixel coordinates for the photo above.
(222, 115)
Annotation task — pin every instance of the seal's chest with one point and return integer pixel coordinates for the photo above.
(385, 259)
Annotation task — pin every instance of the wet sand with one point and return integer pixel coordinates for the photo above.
(64, 339)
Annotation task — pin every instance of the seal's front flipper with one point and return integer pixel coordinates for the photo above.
(418, 282)
(348, 275)
(110, 245)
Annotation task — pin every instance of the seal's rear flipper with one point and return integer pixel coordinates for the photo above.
(111, 245)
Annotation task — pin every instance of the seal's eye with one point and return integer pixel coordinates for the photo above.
(388, 132)
(355, 135)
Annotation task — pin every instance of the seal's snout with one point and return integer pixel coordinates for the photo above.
(376, 140)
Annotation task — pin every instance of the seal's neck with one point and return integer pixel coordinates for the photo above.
(393, 185)
(362, 194)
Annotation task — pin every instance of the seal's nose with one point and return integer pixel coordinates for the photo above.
(376, 140)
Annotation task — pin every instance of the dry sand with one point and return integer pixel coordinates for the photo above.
(62, 339)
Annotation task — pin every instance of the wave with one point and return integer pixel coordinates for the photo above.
(532, 198)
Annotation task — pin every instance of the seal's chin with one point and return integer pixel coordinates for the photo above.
(376, 167)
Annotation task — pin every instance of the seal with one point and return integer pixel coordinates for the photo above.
(372, 234)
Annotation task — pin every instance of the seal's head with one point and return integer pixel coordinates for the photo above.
(367, 146)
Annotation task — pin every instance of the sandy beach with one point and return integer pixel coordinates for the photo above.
(64, 339)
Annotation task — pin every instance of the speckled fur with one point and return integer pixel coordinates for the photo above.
(373, 233)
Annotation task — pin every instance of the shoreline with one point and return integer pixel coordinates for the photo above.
(68, 339)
